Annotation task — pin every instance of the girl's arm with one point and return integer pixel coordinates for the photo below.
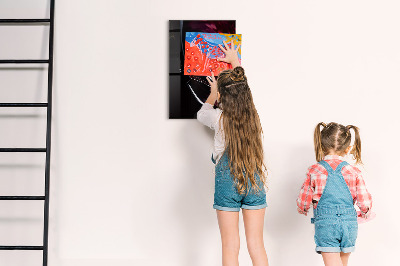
(213, 89)
(208, 116)
(364, 199)
(305, 197)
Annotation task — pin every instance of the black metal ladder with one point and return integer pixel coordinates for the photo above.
(48, 105)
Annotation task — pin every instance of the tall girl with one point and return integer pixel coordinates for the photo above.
(333, 186)
(238, 155)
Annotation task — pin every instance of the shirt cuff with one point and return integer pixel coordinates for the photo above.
(365, 214)
(208, 106)
(301, 211)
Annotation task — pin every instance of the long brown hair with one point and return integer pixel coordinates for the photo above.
(242, 129)
(336, 137)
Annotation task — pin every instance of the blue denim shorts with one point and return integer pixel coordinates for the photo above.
(226, 195)
(335, 232)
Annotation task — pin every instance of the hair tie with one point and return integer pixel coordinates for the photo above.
(233, 84)
(348, 130)
(235, 78)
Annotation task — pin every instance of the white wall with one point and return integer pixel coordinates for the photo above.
(130, 187)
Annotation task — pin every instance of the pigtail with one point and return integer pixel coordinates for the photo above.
(319, 153)
(356, 151)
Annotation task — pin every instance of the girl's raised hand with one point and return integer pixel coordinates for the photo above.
(214, 89)
(213, 83)
(231, 54)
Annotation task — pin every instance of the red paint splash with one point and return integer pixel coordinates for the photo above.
(198, 64)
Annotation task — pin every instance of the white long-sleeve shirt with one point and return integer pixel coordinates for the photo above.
(209, 116)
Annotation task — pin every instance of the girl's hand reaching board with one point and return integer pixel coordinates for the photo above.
(213, 90)
(231, 54)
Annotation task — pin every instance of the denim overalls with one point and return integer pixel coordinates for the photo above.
(226, 195)
(335, 218)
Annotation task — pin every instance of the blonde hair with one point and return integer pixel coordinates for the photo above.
(242, 129)
(336, 137)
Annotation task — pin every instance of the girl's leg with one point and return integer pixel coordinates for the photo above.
(254, 225)
(332, 259)
(345, 258)
(229, 228)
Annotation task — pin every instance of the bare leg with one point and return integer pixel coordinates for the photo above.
(229, 228)
(332, 259)
(254, 227)
(345, 258)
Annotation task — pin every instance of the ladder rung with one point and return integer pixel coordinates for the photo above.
(30, 20)
(23, 104)
(21, 247)
(22, 197)
(22, 149)
(24, 61)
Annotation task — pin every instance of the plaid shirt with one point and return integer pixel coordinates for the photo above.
(314, 185)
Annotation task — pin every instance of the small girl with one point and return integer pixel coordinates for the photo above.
(238, 155)
(333, 186)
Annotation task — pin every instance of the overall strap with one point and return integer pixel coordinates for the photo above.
(340, 166)
(212, 159)
(326, 166)
(223, 160)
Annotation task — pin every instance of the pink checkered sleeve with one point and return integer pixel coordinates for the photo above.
(364, 198)
(305, 197)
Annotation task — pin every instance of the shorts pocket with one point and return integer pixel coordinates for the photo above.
(326, 232)
(352, 228)
(225, 194)
(224, 182)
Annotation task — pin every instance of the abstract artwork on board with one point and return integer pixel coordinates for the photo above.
(187, 92)
(202, 52)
